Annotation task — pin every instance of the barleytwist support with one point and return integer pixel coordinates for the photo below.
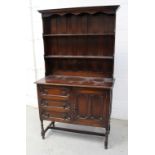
(106, 137)
(52, 126)
(43, 131)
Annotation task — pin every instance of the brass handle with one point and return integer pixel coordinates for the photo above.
(43, 90)
(66, 117)
(101, 118)
(66, 105)
(44, 103)
(45, 115)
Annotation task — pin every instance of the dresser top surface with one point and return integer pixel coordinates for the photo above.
(91, 82)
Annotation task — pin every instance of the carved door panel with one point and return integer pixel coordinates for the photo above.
(90, 105)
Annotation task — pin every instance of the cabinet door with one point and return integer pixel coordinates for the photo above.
(91, 106)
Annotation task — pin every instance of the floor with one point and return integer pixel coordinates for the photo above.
(66, 143)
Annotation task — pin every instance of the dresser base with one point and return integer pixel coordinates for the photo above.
(52, 126)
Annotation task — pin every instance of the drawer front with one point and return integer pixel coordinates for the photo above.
(50, 114)
(55, 109)
(54, 98)
(53, 90)
(54, 103)
(88, 91)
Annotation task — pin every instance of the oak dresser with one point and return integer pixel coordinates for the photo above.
(79, 64)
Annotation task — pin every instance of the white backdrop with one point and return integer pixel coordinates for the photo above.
(35, 63)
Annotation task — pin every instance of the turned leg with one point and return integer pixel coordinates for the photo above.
(42, 130)
(53, 123)
(109, 128)
(106, 138)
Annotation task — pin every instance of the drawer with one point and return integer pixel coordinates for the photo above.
(48, 115)
(89, 91)
(55, 109)
(53, 90)
(54, 98)
(54, 103)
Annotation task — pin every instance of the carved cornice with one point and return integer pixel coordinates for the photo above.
(109, 10)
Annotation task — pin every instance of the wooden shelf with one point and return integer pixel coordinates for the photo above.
(80, 34)
(79, 57)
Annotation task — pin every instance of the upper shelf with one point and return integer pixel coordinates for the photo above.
(80, 34)
(79, 56)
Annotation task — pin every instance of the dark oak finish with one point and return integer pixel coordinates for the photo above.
(79, 64)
